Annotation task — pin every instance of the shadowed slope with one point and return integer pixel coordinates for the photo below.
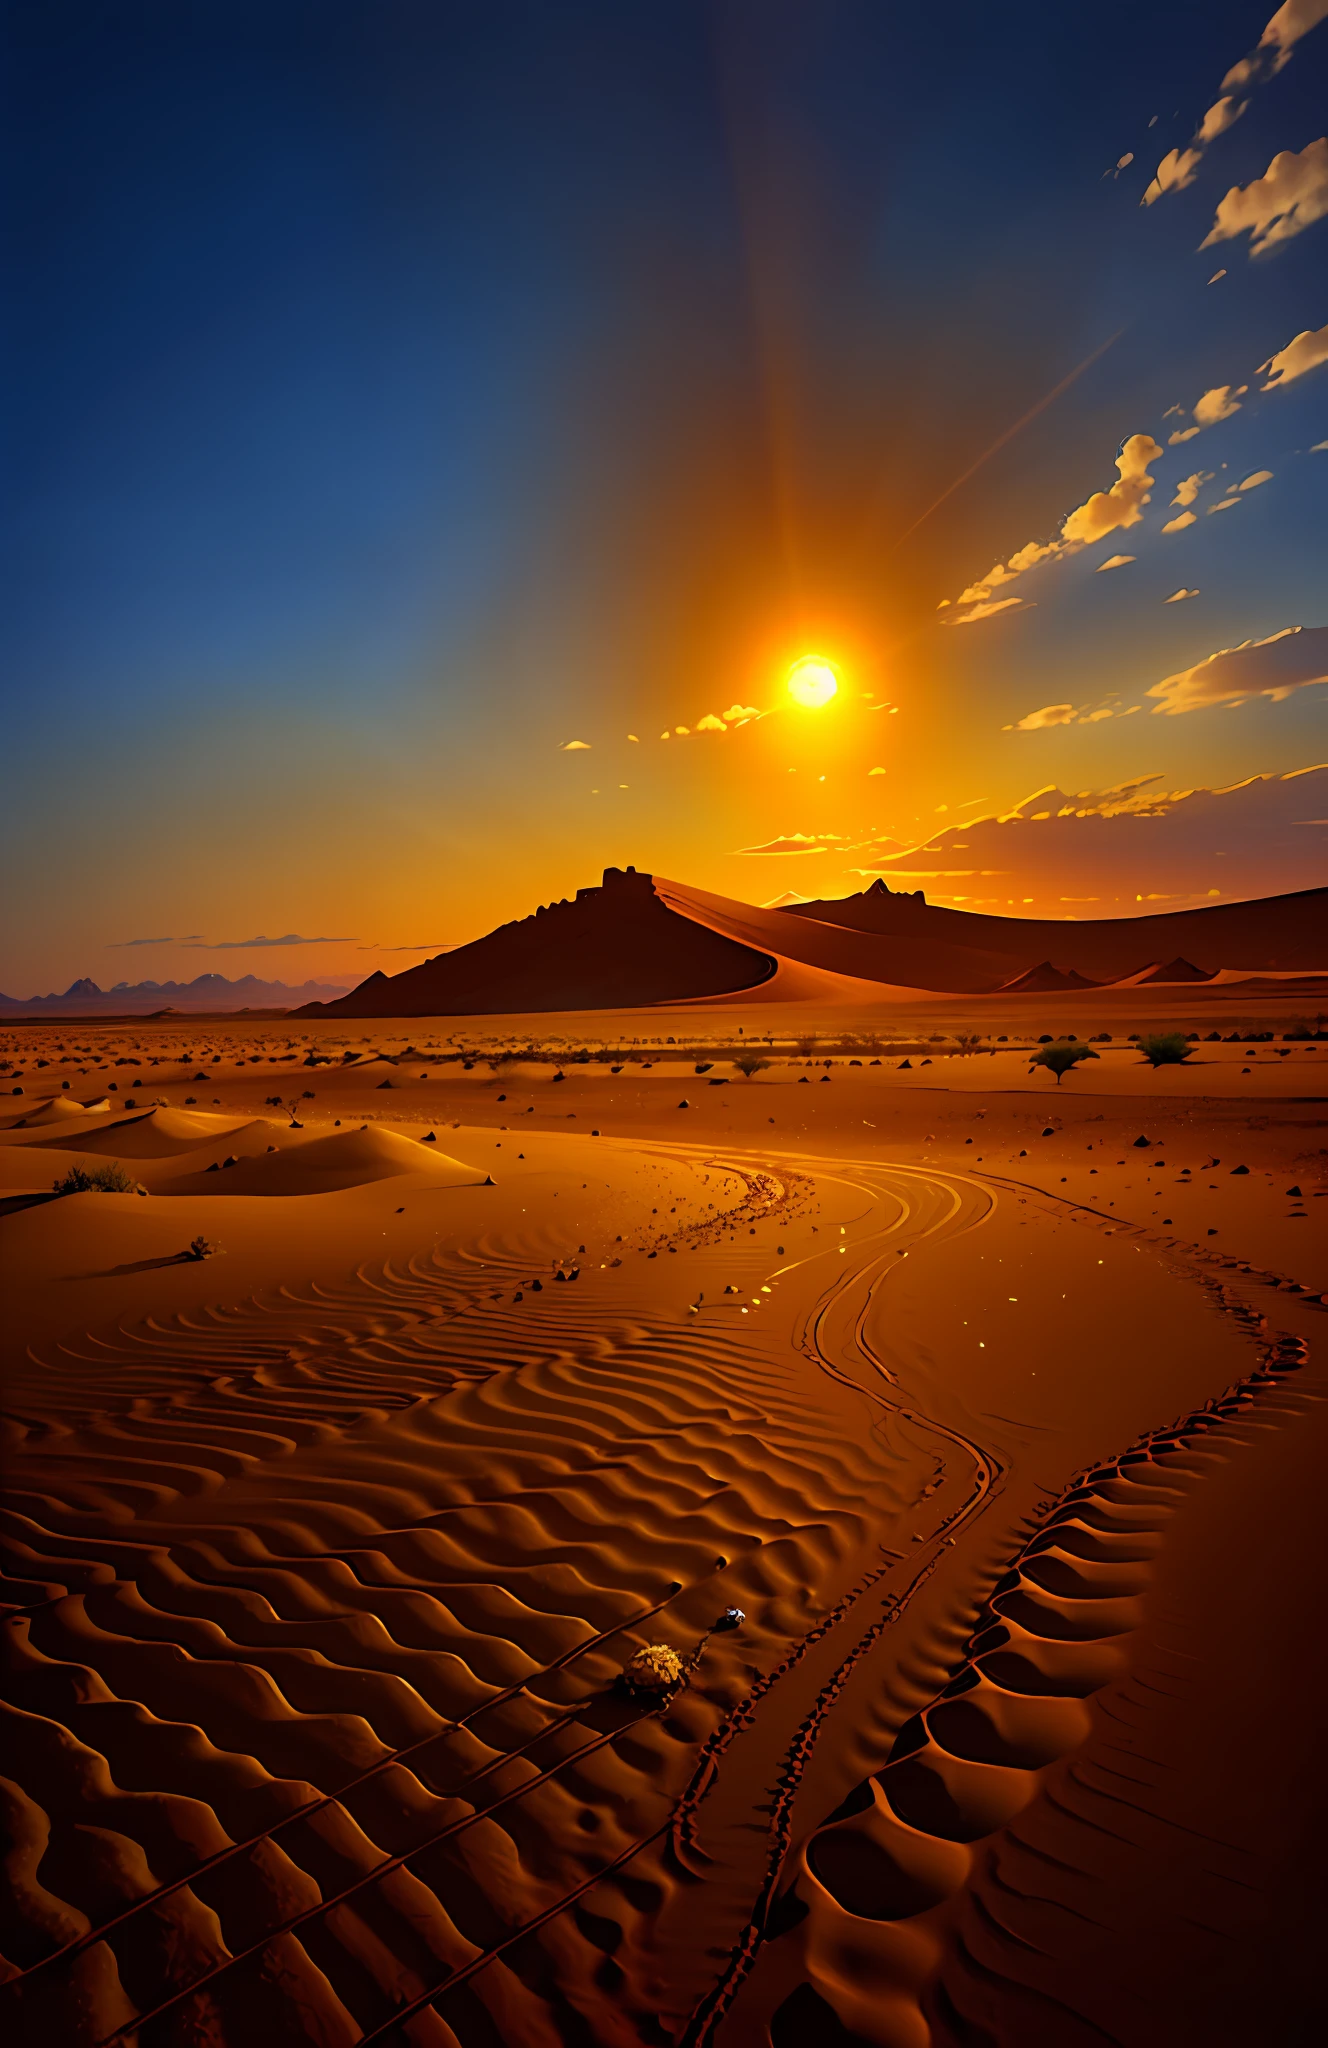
(1273, 931)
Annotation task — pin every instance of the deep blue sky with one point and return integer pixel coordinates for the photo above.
(396, 391)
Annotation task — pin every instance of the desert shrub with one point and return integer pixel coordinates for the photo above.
(110, 1179)
(805, 1045)
(1059, 1058)
(1164, 1048)
(968, 1042)
(748, 1064)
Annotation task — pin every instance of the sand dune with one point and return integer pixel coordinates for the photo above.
(62, 1109)
(345, 1159)
(1271, 932)
(639, 939)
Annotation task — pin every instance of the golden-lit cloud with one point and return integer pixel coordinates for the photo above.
(987, 611)
(1223, 505)
(1053, 847)
(1294, 19)
(1050, 714)
(710, 723)
(1306, 352)
(1219, 404)
(1123, 504)
(1285, 661)
(1260, 476)
(575, 747)
(799, 842)
(739, 713)
(1179, 167)
(1103, 513)
(1179, 523)
(1189, 487)
(1181, 434)
(1290, 196)
(1115, 562)
(1179, 596)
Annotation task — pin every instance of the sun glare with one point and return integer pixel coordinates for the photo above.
(812, 682)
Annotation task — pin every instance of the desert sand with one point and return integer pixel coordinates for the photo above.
(993, 1405)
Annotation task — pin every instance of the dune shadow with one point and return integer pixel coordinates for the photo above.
(136, 1266)
(10, 1205)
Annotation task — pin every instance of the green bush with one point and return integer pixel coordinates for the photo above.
(106, 1180)
(1058, 1059)
(1165, 1048)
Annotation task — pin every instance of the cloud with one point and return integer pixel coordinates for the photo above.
(1306, 352)
(1179, 168)
(710, 723)
(1037, 721)
(740, 711)
(1096, 717)
(1319, 448)
(682, 731)
(1224, 506)
(876, 771)
(1115, 562)
(575, 747)
(1223, 114)
(633, 738)
(1178, 596)
(1260, 476)
(1285, 661)
(1189, 487)
(239, 945)
(799, 842)
(1179, 523)
(1294, 19)
(1103, 513)
(1219, 404)
(1182, 434)
(987, 611)
(1123, 504)
(189, 939)
(1217, 277)
(1290, 196)
(1138, 839)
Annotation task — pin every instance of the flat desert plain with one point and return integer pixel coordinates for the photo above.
(961, 1433)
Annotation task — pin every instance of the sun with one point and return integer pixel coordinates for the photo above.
(812, 682)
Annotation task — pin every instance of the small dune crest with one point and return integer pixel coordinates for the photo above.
(61, 1109)
(160, 1133)
(343, 1159)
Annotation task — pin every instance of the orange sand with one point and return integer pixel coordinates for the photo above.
(325, 1550)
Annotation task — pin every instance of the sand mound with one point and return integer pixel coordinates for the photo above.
(1044, 978)
(345, 1159)
(61, 1109)
(160, 1133)
(1273, 931)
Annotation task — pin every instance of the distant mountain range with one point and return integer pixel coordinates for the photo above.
(638, 939)
(139, 998)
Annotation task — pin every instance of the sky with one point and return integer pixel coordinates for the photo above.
(415, 411)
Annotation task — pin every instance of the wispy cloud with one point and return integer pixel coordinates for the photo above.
(189, 939)
(799, 842)
(1037, 721)
(1179, 596)
(575, 747)
(1115, 562)
(1285, 661)
(240, 945)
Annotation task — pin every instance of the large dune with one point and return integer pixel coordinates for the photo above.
(1270, 932)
